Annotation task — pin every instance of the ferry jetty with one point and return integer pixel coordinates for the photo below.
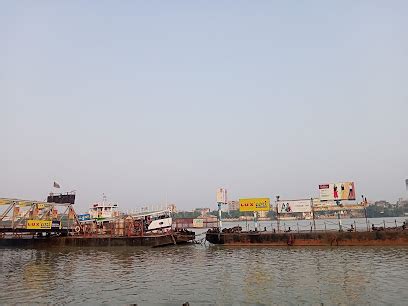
(396, 236)
(335, 198)
(54, 223)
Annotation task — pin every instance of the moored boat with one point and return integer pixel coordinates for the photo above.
(392, 237)
(102, 226)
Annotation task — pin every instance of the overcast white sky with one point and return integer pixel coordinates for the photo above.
(142, 99)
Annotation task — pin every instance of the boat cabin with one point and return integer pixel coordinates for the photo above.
(158, 221)
(104, 210)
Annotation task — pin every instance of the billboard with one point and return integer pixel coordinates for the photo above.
(68, 198)
(254, 204)
(84, 217)
(294, 206)
(337, 191)
(222, 195)
(198, 223)
(56, 224)
(39, 224)
(318, 203)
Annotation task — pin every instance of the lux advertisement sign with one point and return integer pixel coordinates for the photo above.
(39, 224)
(254, 204)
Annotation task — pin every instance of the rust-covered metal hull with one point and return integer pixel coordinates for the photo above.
(376, 238)
(98, 241)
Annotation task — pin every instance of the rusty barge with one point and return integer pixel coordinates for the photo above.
(55, 224)
(313, 238)
(155, 240)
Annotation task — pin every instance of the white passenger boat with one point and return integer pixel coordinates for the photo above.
(155, 221)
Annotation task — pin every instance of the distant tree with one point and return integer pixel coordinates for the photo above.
(374, 211)
(214, 213)
(272, 214)
(187, 214)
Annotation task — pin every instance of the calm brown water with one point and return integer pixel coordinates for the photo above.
(205, 275)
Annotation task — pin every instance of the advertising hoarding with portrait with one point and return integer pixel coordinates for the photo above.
(294, 206)
(337, 191)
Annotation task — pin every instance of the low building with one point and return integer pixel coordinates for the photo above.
(382, 204)
(203, 211)
(402, 203)
(233, 205)
(172, 208)
(263, 214)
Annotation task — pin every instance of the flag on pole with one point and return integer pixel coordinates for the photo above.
(56, 185)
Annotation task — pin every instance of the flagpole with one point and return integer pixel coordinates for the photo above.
(55, 185)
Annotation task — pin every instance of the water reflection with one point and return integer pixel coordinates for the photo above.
(205, 275)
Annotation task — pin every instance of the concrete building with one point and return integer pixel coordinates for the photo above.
(263, 214)
(233, 205)
(203, 211)
(172, 208)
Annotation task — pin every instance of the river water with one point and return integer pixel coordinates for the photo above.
(205, 275)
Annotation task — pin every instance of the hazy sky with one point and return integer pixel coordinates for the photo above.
(139, 99)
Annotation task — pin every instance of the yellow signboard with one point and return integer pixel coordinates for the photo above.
(256, 204)
(39, 224)
(5, 202)
(40, 205)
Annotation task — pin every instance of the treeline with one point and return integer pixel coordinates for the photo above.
(233, 214)
(187, 214)
(374, 211)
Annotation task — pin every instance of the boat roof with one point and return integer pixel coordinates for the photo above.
(150, 213)
(104, 205)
